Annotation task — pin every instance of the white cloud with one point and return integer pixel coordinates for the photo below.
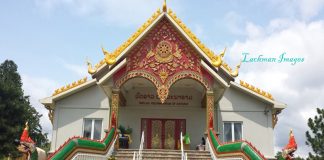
(38, 88)
(310, 8)
(300, 85)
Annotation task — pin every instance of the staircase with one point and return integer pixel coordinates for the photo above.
(157, 154)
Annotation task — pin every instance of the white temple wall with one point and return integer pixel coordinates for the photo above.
(70, 113)
(255, 116)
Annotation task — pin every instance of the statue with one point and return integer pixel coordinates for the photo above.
(28, 148)
(290, 148)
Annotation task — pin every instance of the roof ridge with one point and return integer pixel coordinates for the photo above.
(70, 86)
(256, 90)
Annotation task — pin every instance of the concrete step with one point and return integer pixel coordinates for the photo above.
(163, 154)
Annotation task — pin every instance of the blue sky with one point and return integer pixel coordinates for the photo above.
(50, 41)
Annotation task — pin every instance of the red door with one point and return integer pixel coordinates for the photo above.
(162, 133)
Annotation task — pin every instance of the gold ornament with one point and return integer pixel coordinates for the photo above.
(164, 52)
(164, 8)
(163, 75)
(217, 60)
(236, 72)
(163, 92)
(90, 69)
(110, 58)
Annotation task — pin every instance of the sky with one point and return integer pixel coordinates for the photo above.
(50, 40)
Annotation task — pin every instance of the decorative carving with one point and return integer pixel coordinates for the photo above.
(156, 132)
(164, 52)
(114, 108)
(70, 86)
(163, 57)
(169, 142)
(256, 90)
(163, 92)
(51, 115)
(164, 7)
(91, 70)
(110, 58)
(163, 75)
(236, 72)
(217, 60)
(113, 119)
(209, 110)
(275, 117)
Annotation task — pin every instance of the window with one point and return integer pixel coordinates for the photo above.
(92, 128)
(232, 131)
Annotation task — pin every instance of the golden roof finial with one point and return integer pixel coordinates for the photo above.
(223, 52)
(104, 51)
(26, 126)
(110, 58)
(90, 69)
(236, 72)
(164, 8)
(217, 60)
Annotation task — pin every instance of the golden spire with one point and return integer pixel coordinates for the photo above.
(90, 69)
(26, 126)
(217, 60)
(164, 8)
(110, 58)
(236, 72)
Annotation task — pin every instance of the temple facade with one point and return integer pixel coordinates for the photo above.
(163, 81)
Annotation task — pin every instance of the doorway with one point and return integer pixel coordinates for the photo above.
(162, 133)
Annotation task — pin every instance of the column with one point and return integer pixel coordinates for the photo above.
(114, 108)
(209, 110)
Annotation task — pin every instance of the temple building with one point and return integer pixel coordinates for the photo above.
(163, 81)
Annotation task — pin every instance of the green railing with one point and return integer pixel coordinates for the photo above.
(243, 147)
(80, 143)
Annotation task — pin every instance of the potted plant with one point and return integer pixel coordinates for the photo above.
(125, 138)
(186, 142)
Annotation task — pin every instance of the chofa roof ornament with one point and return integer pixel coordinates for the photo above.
(110, 58)
(217, 60)
(235, 73)
(91, 70)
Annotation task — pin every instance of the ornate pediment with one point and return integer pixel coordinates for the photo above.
(163, 56)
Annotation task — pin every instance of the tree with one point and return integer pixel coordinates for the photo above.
(315, 139)
(15, 110)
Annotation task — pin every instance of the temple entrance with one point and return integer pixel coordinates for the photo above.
(162, 133)
(184, 110)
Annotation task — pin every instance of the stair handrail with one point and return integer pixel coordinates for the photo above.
(140, 151)
(112, 147)
(182, 152)
(135, 155)
(81, 156)
(210, 149)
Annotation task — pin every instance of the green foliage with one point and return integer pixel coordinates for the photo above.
(128, 130)
(15, 110)
(123, 130)
(299, 158)
(315, 138)
(278, 155)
